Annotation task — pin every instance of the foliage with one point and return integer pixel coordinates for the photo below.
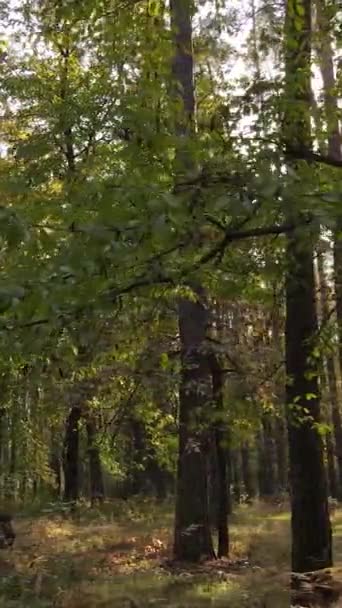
(98, 243)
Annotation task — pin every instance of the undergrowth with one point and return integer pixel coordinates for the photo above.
(119, 556)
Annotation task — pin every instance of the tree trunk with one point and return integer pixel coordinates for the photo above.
(11, 482)
(71, 455)
(280, 436)
(247, 474)
(311, 532)
(95, 467)
(332, 474)
(236, 476)
(160, 478)
(3, 446)
(281, 452)
(329, 379)
(55, 464)
(138, 457)
(269, 456)
(221, 460)
(326, 57)
(192, 530)
(326, 60)
(311, 529)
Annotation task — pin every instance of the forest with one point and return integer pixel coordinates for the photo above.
(170, 303)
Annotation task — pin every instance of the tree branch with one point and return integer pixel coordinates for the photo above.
(308, 155)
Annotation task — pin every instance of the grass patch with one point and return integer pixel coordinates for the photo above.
(117, 556)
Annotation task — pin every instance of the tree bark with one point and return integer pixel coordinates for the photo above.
(192, 531)
(310, 550)
(326, 60)
(221, 459)
(329, 379)
(311, 529)
(192, 540)
(71, 456)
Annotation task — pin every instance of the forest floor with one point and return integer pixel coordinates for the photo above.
(119, 558)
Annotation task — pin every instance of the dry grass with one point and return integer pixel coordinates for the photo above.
(118, 558)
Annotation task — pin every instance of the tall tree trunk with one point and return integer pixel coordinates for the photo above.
(280, 435)
(221, 459)
(71, 456)
(311, 529)
(336, 420)
(192, 539)
(71, 441)
(332, 111)
(329, 377)
(95, 467)
(192, 531)
(326, 57)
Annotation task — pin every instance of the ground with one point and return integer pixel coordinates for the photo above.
(118, 557)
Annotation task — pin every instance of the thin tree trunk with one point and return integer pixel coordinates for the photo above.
(247, 474)
(332, 473)
(280, 418)
(236, 475)
(3, 444)
(10, 489)
(311, 529)
(266, 459)
(71, 456)
(221, 459)
(56, 467)
(269, 456)
(95, 467)
(139, 450)
(160, 478)
(281, 452)
(192, 539)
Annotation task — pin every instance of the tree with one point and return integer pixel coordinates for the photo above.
(222, 456)
(329, 379)
(192, 532)
(307, 475)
